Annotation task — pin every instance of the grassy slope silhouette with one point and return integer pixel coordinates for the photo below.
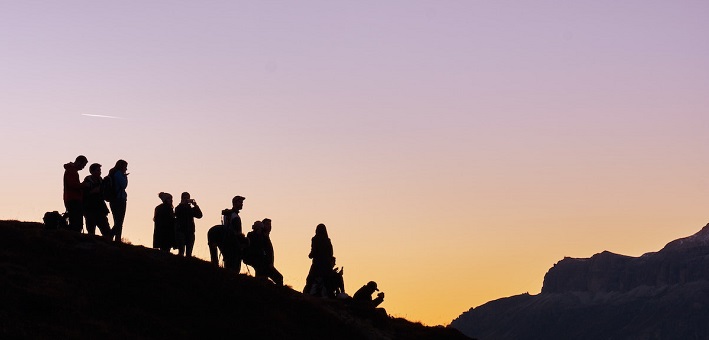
(60, 284)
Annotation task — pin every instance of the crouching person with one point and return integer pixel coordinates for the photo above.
(363, 296)
(365, 305)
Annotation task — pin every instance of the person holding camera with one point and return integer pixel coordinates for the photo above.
(119, 175)
(363, 296)
(185, 214)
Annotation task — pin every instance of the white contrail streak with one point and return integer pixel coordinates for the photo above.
(100, 116)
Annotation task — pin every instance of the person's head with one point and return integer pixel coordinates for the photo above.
(321, 229)
(258, 226)
(81, 162)
(165, 197)
(185, 197)
(266, 225)
(121, 166)
(372, 286)
(95, 169)
(237, 203)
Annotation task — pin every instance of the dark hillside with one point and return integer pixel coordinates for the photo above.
(59, 284)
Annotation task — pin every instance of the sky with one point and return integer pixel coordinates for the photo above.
(456, 150)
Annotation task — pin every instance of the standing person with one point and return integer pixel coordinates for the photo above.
(322, 255)
(270, 270)
(119, 176)
(229, 238)
(232, 220)
(95, 209)
(185, 213)
(164, 218)
(73, 193)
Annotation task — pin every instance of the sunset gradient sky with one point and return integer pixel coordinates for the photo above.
(456, 150)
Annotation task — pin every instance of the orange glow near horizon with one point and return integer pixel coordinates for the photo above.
(455, 150)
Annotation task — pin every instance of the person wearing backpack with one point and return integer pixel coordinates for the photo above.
(233, 234)
(95, 209)
(185, 213)
(119, 175)
(73, 193)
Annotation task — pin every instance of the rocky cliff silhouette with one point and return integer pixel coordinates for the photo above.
(58, 284)
(659, 295)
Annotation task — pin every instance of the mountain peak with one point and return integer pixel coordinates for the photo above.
(660, 295)
(700, 239)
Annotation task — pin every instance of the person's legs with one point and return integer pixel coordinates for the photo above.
(90, 223)
(118, 209)
(76, 215)
(275, 275)
(232, 263)
(189, 240)
(259, 271)
(103, 226)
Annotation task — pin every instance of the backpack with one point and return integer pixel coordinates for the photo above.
(54, 220)
(252, 254)
(108, 189)
(248, 256)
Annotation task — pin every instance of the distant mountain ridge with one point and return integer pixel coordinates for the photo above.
(700, 239)
(659, 295)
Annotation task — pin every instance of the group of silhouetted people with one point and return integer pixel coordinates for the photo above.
(326, 280)
(174, 228)
(87, 199)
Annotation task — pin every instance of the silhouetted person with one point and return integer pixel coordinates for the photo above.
(335, 281)
(119, 174)
(232, 220)
(261, 249)
(321, 267)
(363, 296)
(254, 254)
(164, 232)
(185, 213)
(229, 237)
(95, 209)
(73, 193)
(271, 270)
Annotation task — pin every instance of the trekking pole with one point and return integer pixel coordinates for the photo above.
(224, 231)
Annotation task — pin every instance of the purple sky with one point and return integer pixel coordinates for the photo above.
(483, 138)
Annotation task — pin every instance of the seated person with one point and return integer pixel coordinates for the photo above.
(364, 295)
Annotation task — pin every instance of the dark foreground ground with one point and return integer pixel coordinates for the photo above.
(59, 284)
